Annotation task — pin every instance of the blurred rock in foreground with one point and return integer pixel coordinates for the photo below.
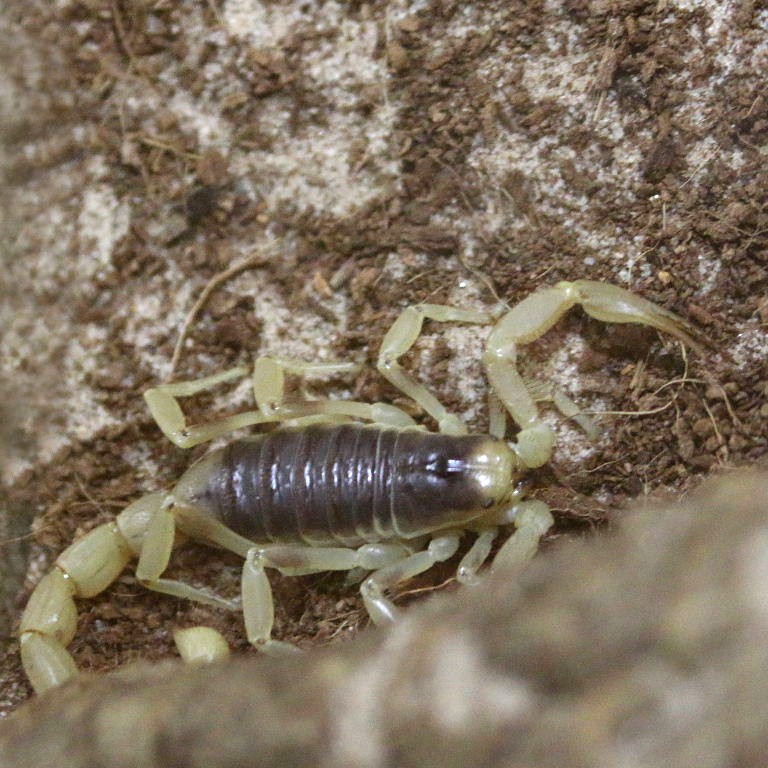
(645, 647)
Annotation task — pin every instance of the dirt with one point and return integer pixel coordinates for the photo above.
(376, 155)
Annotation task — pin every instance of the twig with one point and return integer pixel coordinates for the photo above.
(255, 260)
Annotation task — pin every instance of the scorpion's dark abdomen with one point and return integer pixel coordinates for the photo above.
(348, 483)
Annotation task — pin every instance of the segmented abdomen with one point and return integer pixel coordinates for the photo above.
(344, 484)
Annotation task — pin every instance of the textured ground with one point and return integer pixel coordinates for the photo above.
(370, 155)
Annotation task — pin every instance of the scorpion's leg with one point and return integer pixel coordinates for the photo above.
(532, 520)
(542, 392)
(539, 391)
(401, 337)
(267, 380)
(390, 563)
(380, 608)
(533, 317)
(163, 402)
(258, 605)
(269, 385)
(165, 409)
(477, 554)
(155, 555)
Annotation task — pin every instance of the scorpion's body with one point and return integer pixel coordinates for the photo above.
(348, 484)
(390, 498)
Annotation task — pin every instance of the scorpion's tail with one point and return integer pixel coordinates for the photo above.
(83, 569)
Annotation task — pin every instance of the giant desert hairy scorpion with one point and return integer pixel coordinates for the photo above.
(328, 492)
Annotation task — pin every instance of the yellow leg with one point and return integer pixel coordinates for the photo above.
(401, 337)
(533, 317)
(268, 388)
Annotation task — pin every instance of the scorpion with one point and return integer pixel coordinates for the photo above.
(344, 485)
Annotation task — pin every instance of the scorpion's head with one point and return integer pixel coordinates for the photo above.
(448, 480)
